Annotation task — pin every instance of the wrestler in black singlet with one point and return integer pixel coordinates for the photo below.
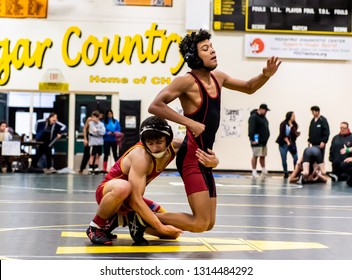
(196, 177)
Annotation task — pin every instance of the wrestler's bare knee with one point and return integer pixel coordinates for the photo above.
(121, 189)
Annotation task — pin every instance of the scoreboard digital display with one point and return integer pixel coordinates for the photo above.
(285, 16)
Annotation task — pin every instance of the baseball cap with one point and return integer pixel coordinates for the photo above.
(264, 106)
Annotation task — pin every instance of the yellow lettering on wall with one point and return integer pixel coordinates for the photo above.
(92, 48)
(117, 80)
(92, 44)
(160, 81)
(21, 56)
(65, 47)
(152, 34)
(109, 56)
(130, 45)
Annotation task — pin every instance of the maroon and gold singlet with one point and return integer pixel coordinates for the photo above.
(116, 172)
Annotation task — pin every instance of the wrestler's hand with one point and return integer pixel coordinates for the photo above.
(170, 231)
(272, 64)
(207, 159)
(196, 128)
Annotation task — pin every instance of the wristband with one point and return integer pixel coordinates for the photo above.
(347, 150)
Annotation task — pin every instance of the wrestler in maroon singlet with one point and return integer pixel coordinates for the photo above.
(116, 172)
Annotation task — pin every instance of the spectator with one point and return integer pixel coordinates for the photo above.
(112, 126)
(339, 141)
(96, 141)
(86, 149)
(319, 130)
(5, 135)
(287, 140)
(258, 133)
(346, 165)
(47, 131)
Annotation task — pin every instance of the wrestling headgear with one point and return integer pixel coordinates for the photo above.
(154, 128)
(188, 48)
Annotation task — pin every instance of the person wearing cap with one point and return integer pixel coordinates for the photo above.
(319, 130)
(120, 194)
(259, 133)
(199, 92)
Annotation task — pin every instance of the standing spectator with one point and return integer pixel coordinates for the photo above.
(47, 131)
(5, 135)
(287, 140)
(86, 149)
(112, 126)
(319, 130)
(258, 133)
(339, 142)
(96, 141)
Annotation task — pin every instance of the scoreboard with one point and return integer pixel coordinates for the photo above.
(284, 16)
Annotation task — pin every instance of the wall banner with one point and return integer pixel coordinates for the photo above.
(298, 46)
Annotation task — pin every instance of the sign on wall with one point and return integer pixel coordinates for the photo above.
(157, 3)
(332, 17)
(298, 46)
(229, 15)
(23, 8)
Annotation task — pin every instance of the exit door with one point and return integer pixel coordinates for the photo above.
(130, 119)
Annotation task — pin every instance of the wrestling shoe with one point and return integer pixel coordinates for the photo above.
(333, 177)
(137, 228)
(111, 224)
(98, 236)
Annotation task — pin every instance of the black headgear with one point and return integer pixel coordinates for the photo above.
(191, 55)
(154, 131)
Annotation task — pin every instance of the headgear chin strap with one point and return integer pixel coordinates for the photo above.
(163, 130)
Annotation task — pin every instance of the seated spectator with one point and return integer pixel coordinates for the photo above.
(341, 140)
(346, 165)
(310, 168)
(5, 135)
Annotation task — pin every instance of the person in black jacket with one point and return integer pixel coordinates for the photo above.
(287, 140)
(319, 130)
(258, 133)
(339, 142)
(47, 131)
